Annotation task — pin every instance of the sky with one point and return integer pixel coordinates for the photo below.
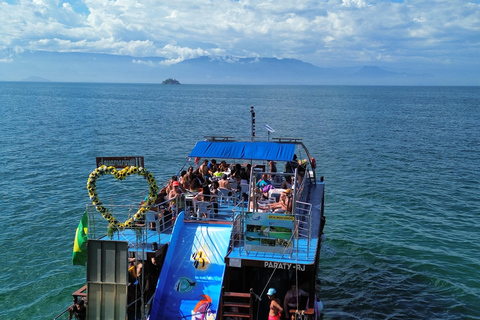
(424, 36)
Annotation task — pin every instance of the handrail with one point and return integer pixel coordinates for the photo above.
(61, 314)
(99, 227)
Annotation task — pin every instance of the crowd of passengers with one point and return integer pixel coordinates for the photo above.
(206, 180)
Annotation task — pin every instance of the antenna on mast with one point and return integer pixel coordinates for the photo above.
(269, 129)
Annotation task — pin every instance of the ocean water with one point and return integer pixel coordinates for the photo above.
(401, 164)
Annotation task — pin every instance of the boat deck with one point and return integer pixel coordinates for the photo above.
(304, 246)
(148, 240)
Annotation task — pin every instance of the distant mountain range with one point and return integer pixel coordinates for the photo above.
(81, 67)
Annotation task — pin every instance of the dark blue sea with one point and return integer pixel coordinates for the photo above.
(401, 164)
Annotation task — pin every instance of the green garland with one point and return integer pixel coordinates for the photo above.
(121, 175)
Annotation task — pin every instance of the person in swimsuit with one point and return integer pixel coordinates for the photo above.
(276, 309)
(78, 310)
(293, 297)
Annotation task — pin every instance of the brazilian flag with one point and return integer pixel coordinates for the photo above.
(79, 256)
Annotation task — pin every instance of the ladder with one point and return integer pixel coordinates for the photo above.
(237, 305)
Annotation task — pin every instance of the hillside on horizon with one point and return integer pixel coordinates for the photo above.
(81, 67)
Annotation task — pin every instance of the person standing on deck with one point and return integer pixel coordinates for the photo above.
(292, 298)
(204, 169)
(78, 310)
(276, 309)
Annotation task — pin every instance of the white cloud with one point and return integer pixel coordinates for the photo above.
(178, 54)
(354, 3)
(325, 33)
(144, 62)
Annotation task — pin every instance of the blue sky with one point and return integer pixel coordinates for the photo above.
(436, 37)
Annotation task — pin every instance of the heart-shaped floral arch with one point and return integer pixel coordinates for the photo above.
(121, 175)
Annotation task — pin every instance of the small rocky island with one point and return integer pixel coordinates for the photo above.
(170, 81)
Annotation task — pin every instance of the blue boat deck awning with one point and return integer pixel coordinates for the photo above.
(275, 151)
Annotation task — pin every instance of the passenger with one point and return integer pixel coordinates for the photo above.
(160, 198)
(290, 166)
(263, 182)
(287, 184)
(189, 176)
(196, 184)
(243, 181)
(169, 187)
(218, 174)
(175, 179)
(204, 193)
(266, 190)
(248, 170)
(224, 183)
(293, 297)
(176, 190)
(132, 274)
(78, 309)
(212, 167)
(276, 309)
(237, 170)
(204, 169)
(284, 203)
(175, 198)
(214, 192)
(183, 182)
(244, 178)
(273, 168)
(223, 166)
(134, 290)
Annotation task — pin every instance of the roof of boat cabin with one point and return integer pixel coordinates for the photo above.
(249, 150)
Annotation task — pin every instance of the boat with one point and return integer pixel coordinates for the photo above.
(184, 257)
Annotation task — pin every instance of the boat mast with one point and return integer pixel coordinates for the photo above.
(253, 122)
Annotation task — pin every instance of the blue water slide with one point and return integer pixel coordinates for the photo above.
(190, 283)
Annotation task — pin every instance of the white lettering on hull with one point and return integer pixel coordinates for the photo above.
(283, 265)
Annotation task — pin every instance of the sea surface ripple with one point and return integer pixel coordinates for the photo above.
(401, 166)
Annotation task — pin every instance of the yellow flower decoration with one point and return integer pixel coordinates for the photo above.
(121, 175)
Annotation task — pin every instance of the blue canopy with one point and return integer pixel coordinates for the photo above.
(244, 150)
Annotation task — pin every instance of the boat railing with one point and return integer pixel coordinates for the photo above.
(158, 221)
(215, 208)
(301, 235)
(64, 315)
(299, 183)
